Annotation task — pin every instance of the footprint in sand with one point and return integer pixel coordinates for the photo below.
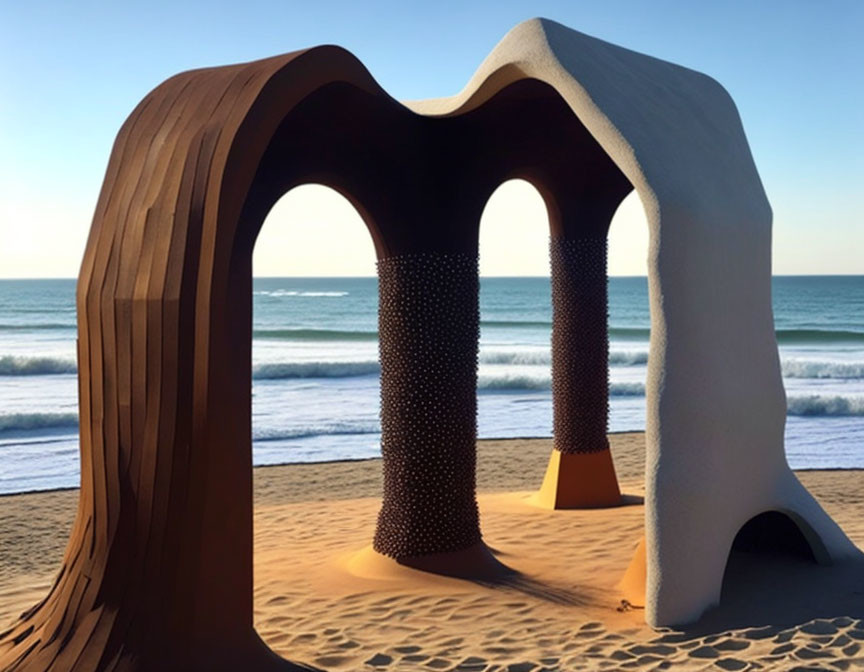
(839, 641)
(809, 652)
(304, 638)
(333, 661)
(705, 652)
(732, 645)
(784, 636)
(819, 627)
(521, 667)
(852, 650)
(415, 658)
(783, 648)
(761, 633)
(649, 649)
(471, 664)
(379, 660)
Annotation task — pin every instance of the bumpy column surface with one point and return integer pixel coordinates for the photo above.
(580, 472)
(428, 329)
(580, 344)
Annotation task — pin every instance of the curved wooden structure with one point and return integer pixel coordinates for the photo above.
(158, 571)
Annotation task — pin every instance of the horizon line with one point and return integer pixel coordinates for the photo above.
(507, 277)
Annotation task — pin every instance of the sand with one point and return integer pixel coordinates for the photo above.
(560, 611)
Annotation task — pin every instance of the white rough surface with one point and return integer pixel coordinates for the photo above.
(716, 404)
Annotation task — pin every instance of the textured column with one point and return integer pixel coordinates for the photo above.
(580, 473)
(580, 344)
(428, 330)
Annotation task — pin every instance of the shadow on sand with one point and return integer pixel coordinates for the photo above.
(765, 595)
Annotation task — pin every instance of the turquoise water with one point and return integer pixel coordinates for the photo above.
(315, 386)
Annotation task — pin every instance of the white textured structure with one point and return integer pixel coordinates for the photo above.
(716, 404)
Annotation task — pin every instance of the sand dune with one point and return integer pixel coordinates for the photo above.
(558, 610)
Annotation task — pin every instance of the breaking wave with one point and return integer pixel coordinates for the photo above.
(15, 365)
(801, 368)
(24, 422)
(285, 370)
(830, 406)
(544, 357)
(334, 429)
(314, 335)
(278, 293)
(518, 382)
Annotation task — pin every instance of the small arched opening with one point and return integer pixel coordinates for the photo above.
(769, 551)
(778, 534)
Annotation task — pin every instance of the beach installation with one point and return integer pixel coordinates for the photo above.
(158, 570)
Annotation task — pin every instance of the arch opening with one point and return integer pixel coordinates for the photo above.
(515, 314)
(314, 348)
(629, 318)
(315, 374)
(517, 227)
(581, 188)
(771, 554)
(774, 534)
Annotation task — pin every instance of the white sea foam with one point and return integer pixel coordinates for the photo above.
(26, 422)
(628, 358)
(288, 370)
(278, 293)
(626, 389)
(515, 382)
(544, 357)
(347, 369)
(824, 405)
(16, 365)
(516, 357)
(804, 368)
(323, 429)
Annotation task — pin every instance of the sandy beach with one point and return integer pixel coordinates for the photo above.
(561, 610)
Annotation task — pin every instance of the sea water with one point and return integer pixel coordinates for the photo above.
(315, 371)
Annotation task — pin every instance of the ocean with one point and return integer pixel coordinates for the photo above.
(315, 371)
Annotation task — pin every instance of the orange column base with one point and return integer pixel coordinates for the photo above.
(632, 585)
(579, 481)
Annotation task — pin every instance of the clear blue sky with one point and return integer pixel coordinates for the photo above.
(71, 71)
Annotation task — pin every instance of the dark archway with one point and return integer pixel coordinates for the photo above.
(343, 137)
(778, 534)
(770, 556)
